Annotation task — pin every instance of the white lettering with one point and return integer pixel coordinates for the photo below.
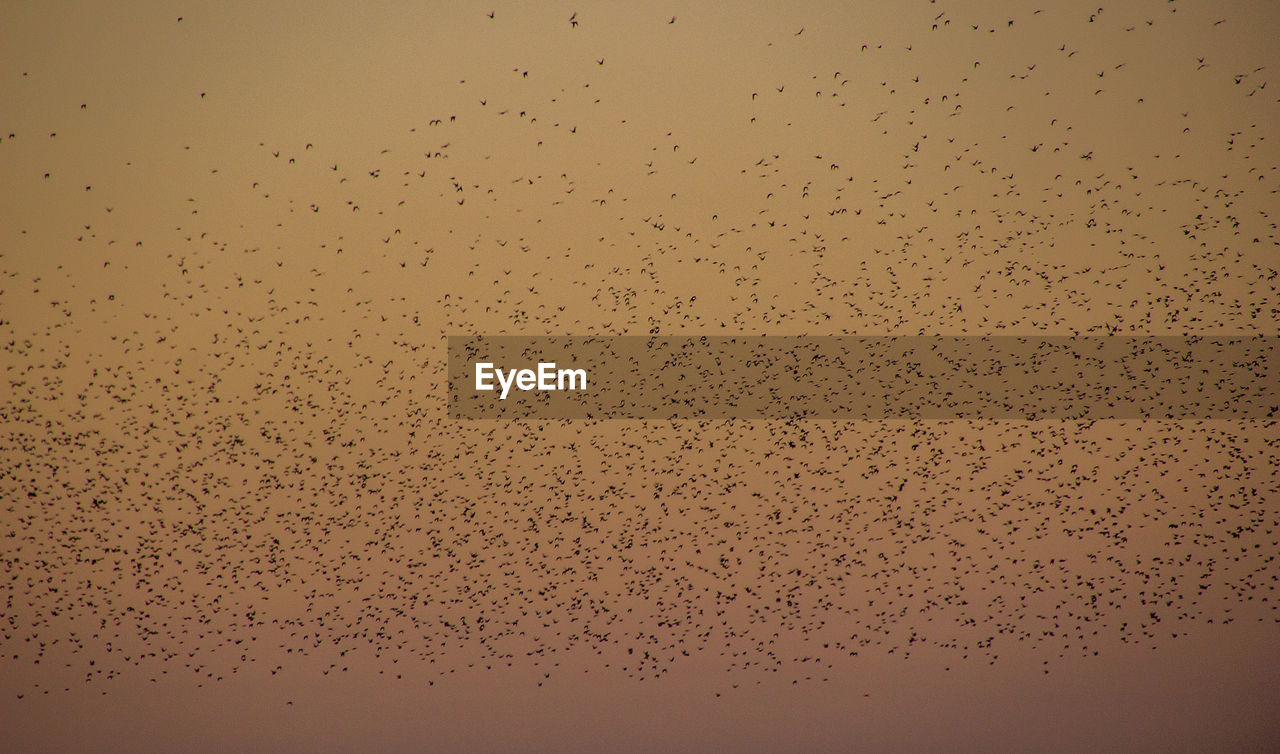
(577, 378)
(546, 377)
(546, 373)
(505, 383)
(484, 371)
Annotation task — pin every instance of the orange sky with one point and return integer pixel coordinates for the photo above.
(232, 245)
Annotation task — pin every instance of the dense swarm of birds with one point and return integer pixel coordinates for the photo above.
(224, 435)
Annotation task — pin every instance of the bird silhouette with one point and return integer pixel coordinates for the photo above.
(229, 448)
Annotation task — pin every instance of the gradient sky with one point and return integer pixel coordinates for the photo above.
(233, 238)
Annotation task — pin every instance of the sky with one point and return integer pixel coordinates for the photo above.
(234, 238)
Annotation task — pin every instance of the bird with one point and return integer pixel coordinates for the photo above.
(232, 457)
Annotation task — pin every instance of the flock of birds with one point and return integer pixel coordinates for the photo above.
(224, 432)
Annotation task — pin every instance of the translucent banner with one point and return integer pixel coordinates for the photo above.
(863, 378)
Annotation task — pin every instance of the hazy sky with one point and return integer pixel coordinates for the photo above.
(233, 238)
